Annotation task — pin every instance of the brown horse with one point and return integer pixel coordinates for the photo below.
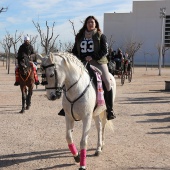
(26, 77)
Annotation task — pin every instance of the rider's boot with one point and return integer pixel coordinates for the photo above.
(16, 77)
(109, 104)
(36, 76)
(61, 113)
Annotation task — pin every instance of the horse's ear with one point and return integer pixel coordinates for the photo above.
(51, 57)
(39, 56)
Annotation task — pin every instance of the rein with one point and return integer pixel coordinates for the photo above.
(44, 67)
(51, 65)
(72, 84)
(72, 102)
(29, 72)
(59, 89)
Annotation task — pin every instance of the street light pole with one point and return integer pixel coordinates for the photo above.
(162, 15)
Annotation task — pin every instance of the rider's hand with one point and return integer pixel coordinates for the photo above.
(88, 58)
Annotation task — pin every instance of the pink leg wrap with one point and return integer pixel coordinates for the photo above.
(73, 149)
(83, 157)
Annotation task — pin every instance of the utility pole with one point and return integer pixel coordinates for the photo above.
(163, 16)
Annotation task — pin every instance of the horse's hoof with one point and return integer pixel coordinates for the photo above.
(77, 158)
(97, 153)
(102, 147)
(22, 111)
(82, 169)
(27, 107)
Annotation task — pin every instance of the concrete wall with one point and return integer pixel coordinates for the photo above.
(142, 24)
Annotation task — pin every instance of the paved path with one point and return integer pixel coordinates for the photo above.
(36, 140)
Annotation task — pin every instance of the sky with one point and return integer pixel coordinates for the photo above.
(21, 14)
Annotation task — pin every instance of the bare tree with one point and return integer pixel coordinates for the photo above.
(164, 50)
(47, 41)
(145, 57)
(8, 41)
(132, 47)
(15, 40)
(4, 46)
(3, 9)
(68, 46)
(33, 39)
(111, 42)
(73, 27)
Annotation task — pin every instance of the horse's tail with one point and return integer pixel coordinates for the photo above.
(113, 87)
(105, 122)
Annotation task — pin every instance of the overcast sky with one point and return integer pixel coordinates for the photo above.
(20, 15)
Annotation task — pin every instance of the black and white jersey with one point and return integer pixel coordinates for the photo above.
(86, 47)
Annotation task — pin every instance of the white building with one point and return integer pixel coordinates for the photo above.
(142, 24)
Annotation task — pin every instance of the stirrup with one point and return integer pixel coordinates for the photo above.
(61, 113)
(111, 115)
(37, 83)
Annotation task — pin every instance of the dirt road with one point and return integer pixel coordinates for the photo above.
(35, 140)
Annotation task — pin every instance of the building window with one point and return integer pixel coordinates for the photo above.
(167, 31)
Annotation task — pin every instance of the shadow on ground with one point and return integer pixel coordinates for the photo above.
(9, 160)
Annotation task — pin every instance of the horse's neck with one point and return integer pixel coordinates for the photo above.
(80, 80)
(28, 71)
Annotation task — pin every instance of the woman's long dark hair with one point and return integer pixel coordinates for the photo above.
(82, 30)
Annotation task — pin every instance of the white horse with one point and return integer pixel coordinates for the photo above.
(64, 71)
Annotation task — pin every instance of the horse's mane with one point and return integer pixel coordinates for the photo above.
(24, 64)
(70, 58)
(24, 60)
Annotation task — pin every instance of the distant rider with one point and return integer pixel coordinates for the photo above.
(118, 59)
(25, 49)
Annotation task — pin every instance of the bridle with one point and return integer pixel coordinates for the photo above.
(57, 89)
(60, 89)
(25, 70)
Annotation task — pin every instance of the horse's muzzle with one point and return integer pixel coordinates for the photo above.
(55, 96)
(58, 94)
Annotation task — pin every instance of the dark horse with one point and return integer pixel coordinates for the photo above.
(26, 77)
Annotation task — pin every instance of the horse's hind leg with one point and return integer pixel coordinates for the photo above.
(98, 124)
(104, 122)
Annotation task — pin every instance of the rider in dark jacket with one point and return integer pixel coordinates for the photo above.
(118, 58)
(91, 46)
(25, 50)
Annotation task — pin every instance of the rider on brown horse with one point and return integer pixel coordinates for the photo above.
(26, 50)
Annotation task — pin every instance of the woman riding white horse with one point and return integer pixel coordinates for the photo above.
(64, 71)
(91, 46)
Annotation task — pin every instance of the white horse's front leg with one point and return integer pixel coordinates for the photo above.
(98, 124)
(69, 138)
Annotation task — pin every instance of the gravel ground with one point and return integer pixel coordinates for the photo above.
(36, 140)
